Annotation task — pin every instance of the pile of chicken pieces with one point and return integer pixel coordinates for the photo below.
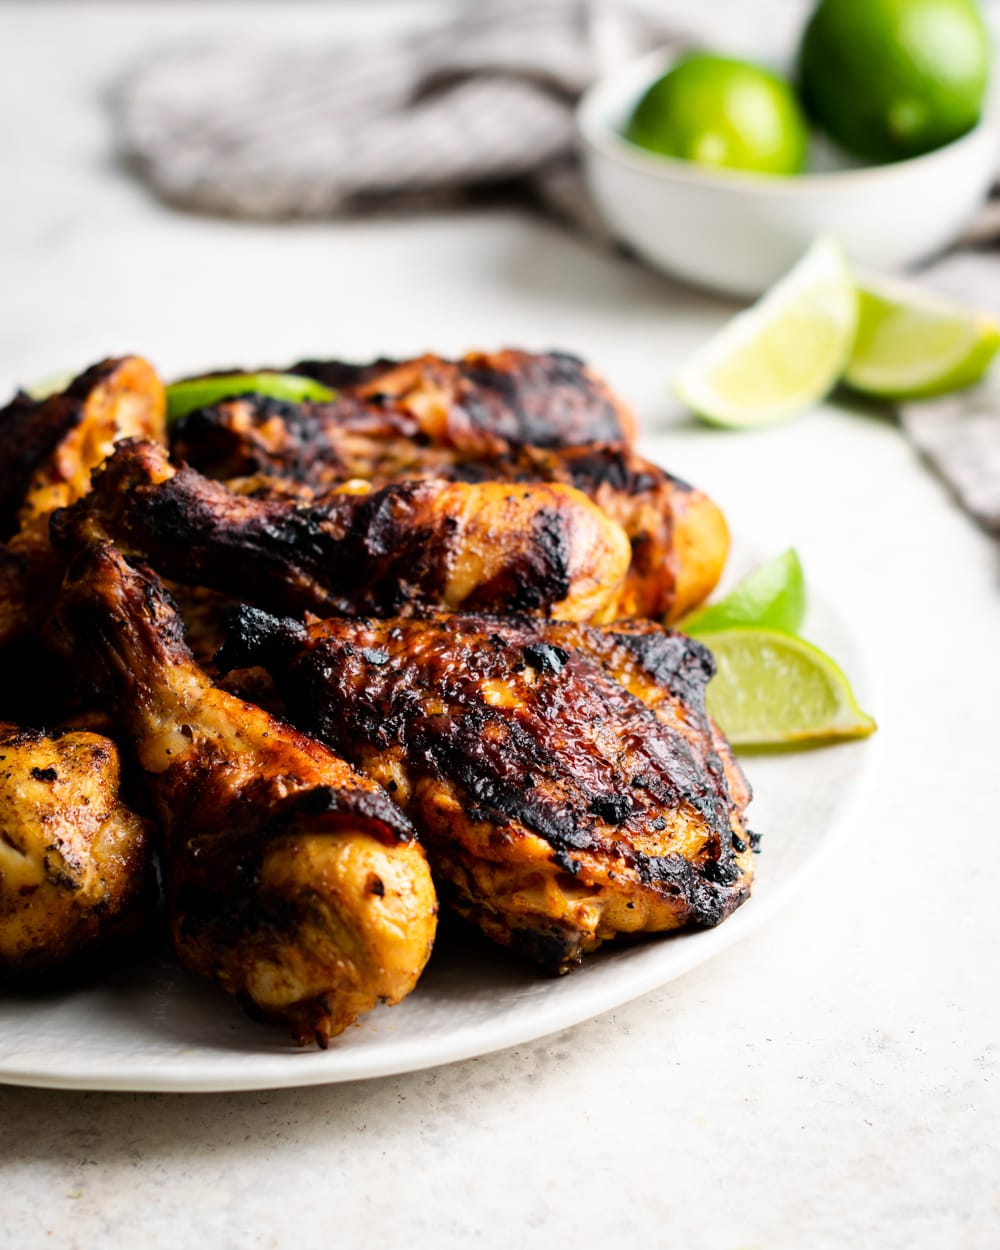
(326, 663)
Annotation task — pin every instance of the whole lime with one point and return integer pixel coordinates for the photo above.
(718, 111)
(894, 78)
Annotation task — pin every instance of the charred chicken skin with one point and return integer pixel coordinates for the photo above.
(29, 582)
(566, 781)
(472, 528)
(373, 432)
(113, 400)
(679, 539)
(48, 449)
(389, 414)
(505, 398)
(409, 547)
(75, 860)
(291, 880)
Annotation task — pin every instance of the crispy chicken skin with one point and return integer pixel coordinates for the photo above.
(410, 547)
(566, 780)
(388, 413)
(205, 614)
(679, 538)
(490, 400)
(29, 582)
(678, 535)
(75, 860)
(48, 449)
(292, 880)
(113, 400)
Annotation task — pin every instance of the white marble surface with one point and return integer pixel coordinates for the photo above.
(833, 1082)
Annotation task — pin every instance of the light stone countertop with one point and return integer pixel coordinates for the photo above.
(832, 1082)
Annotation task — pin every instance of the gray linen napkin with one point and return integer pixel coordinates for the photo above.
(484, 98)
(960, 434)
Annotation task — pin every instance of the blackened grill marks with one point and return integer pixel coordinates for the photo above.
(546, 400)
(539, 578)
(670, 659)
(348, 553)
(548, 948)
(488, 406)
(552, 548)
(257, 637)
(568, 753)
(490, 756)
(613, 466)
(543, 656)
(382, 442)
(391, 563)
(639, 495)
(341, 375)
(614, 808)
(681, 667)
(372, 810)
(125, 624)
(30, 429)
(256, 435)
(385, 552)
(708, 891)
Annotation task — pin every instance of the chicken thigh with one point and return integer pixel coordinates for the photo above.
(566, 780)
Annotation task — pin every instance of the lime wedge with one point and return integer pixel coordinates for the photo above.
(193, 393)
(782, 355)
(772, 689)
(911, 343)
(773, 596)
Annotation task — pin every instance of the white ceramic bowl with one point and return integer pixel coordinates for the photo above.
(738, 232)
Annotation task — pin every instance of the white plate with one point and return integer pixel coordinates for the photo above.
(159, 1028)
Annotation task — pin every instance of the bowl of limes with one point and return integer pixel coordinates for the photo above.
(885, 134)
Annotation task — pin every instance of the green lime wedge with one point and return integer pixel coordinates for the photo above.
(773, 596)
(912, 344)
(773, 689)
(782, 355)
(192, 393)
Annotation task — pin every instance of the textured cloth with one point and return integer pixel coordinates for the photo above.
(486, 97)
(960, 434)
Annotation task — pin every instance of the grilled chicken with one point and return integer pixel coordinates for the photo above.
(563, 773)
(205, 615)
(292, 880)
(48, 449)
(75, 861)
(389, 414)
(29, 582)
(566, 780)
(406, 548)
(505, 398)
(679, 538)
(678, 535)
(115, 399)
